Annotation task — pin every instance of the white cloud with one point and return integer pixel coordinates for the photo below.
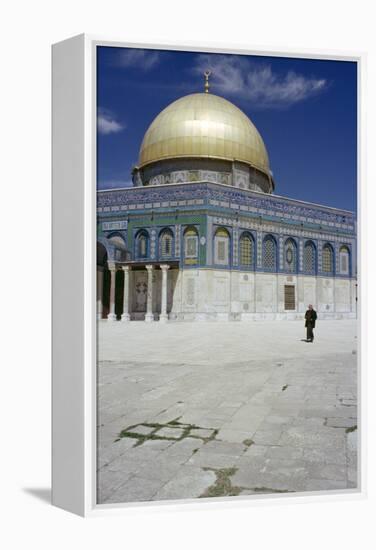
(142, 59)
(107, 123)
(236, 75)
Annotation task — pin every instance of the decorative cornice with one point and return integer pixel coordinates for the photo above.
(188, 195)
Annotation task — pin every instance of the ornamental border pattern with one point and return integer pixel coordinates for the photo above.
(177, 240)
(235, 253)
(281, 252)
(215, 194)
(281, 229)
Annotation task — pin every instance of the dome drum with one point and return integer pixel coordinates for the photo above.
(181, 170)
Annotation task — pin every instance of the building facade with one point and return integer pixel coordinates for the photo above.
(202, 236)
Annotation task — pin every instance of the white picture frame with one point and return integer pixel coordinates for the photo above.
(74, 237)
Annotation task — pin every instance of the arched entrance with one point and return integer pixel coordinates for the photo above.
(103, 282)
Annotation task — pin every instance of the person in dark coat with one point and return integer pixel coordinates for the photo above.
(310, 321)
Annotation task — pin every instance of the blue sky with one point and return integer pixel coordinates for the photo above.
(305, 110)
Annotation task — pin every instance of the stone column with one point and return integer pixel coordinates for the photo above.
(111, 316)
(163, 316)
(125, 315)
(149, 317)
(99, 292)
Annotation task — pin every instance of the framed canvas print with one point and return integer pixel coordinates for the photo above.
(206, 285)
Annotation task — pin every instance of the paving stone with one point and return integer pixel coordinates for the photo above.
(108, 482)
(252, 479)
(348, 402)
(287, 453)
(352, 476)
(352, 441)
(202, 432)
(256, 450)
(224, 447)
(136, 489)
(243, 424)
(309, 422)
(173, 433)
(114, 450)
(190, 481)
(251, 463)
(159, 470)
(142, 430)
(352, 460)
(234, 436)
(132, 458)
(206, 459)
(324, 455)
(157, 444)
(347, 412)
(182, 450)
(341, 422)
(293, 468)
(300, 436)
(328, 471)
(324, 484)
(278, 420)
(267, 437)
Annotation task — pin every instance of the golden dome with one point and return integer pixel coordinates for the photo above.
(206, 126)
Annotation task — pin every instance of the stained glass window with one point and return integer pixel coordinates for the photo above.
(142, 245)
(327, 259)
(309, 258)
(190, 246)
(344, 260)
(246, 250)
(166, 244)
(269, 254)
(221, 247)
(191, 243)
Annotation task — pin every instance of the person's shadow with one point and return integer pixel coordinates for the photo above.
(40, 493)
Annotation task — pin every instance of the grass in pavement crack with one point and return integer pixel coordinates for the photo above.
(222, 486)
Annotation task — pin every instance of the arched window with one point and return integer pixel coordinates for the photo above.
(101, 255)
(269, 259)
(166, 240)
(290, 256)
(190, 245)
(120, 252)
(142, 245)
(327, 259)
(221, 247)
(117, 240)
(246, 250)
(344, 260)
(309, 257)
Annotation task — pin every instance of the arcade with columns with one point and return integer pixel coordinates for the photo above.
(126, 301)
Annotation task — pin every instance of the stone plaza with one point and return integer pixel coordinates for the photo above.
(215, 409)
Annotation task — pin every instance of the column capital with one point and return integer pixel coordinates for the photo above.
(126, 267)
(112, 266)
(164, 267)
(149, 267)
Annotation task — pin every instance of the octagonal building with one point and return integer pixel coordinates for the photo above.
(202, 236)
